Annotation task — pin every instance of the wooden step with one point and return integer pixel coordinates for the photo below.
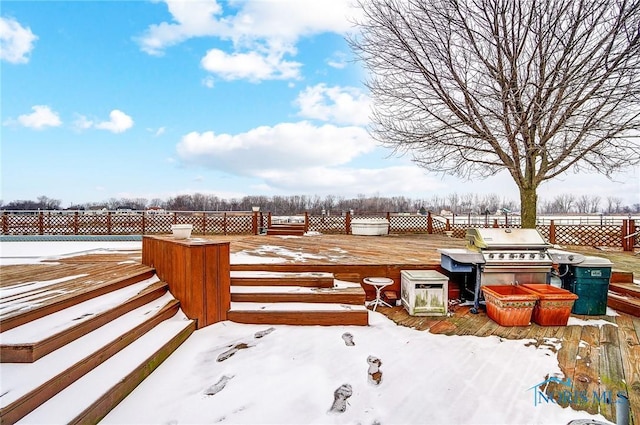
(299, 314)
(278, 294)
(31, 305)
(112, 381)
(28, 385)
(285, 232)
(619, 276)
(631, 289)
(260, 278)
(31, 341)
(624, 303)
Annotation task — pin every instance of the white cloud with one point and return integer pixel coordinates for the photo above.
(337, 60)
(344, 105)
(118, 122)
(208, 82)
(191, 19)
(82, 123)
(303, 158)
(251, 66)
(351, 181)
(41, 117)
(262, 33)
(16, 41)
(285, 146)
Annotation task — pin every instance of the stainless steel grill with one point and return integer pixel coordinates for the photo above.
(497, 256)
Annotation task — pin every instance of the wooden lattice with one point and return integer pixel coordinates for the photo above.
(117, 223)
(408, 224)
(333, 224)
(589, 235)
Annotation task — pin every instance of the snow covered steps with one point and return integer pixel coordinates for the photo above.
(33, 300)
(90, 356)
(289, 298)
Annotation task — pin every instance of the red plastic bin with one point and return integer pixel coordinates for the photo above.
(554, 305)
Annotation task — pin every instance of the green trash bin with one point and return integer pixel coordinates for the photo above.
(589, 280)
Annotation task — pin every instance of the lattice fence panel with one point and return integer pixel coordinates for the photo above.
(215, 224)
(93, 223)
(57, 224)
(126, 224)
(439, 226)
(158, 223)
(408, 224)
(333, 224)
(460, 230)
(544, 231)
(589, 235)
(21, 224)
(239, 224)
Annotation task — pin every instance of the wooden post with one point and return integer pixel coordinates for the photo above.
(144, 222)
(626, 240)
(429, 223)
(198, 274)
(40, 223)
(204, 223)
(389, 221)
(495, 223)
(552, 232)
(5, 223)
(108, 222)
(448, 226)
(224, 223)
(254, 223)
(306, 221)
(347, 222)
(75, 223)
(632, 230)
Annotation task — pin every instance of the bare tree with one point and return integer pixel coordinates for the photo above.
(473, 87)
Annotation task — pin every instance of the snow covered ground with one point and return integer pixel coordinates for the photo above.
(256, 374)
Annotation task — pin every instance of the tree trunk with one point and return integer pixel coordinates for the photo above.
(528, 206)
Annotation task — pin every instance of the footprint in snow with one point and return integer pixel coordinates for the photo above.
(218, 386)
(231, 351)
(375, 374)
(265, 332)
(340, 397)
(348, 339)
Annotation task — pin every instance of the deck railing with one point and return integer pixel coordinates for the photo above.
(622, 233)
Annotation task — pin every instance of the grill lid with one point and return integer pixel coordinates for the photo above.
(492, 238)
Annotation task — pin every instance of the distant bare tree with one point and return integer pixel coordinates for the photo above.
(534, 87)
(583, 204)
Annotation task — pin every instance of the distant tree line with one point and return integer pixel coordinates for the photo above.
(468, 203)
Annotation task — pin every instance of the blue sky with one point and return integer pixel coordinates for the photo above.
(137, 99)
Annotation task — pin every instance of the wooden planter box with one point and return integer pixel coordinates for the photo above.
(554, 305)
(509, 305)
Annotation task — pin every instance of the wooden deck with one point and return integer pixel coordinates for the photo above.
(603, 358)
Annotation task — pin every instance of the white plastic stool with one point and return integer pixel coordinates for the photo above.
(379, 283)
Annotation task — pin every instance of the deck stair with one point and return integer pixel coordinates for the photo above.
(625, 297)
(77, 361)
(286, 229)
(290, 298)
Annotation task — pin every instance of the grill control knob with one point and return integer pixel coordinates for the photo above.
(532, 256)
(501, 256)
(491, 255)
(512, 255)
(521, 255)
